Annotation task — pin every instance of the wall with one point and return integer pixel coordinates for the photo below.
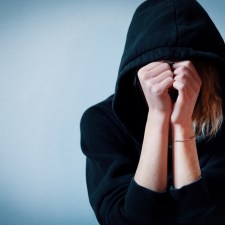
(57, 57)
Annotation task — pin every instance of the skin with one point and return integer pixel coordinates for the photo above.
(156, 79)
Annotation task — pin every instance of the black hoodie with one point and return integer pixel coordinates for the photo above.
(112, 131)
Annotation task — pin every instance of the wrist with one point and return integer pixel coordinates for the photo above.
(182, 131)
(158, 117)
(186, 124)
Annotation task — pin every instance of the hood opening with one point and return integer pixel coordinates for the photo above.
(173, 30)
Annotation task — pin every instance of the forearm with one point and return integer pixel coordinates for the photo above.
(186, 167)
(151, 172)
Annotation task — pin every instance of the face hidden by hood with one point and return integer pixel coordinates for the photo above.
(162, 29)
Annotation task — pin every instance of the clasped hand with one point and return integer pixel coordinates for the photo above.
(157, 79)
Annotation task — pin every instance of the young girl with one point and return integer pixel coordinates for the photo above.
(155, 150)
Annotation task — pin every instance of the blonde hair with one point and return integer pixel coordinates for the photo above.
(208, 114)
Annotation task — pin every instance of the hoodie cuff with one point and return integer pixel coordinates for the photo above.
(192, 201)
(141, 202)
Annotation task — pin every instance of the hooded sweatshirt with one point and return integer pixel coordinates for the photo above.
(112, 131)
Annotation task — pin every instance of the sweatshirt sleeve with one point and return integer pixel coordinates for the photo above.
(203, 202)
(114, 195)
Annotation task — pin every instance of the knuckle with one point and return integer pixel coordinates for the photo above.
(156, 90)
(170, 79)
(142, 74)
(166, 66)
(182, 86)
(182, 76)
(183, 69)
(139, 73)
(188, 63)
(169, 73)
(150, 85)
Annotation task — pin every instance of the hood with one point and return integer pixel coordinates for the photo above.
(162, 29)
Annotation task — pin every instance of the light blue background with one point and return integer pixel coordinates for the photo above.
(57, 57)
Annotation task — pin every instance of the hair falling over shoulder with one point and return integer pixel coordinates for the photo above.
(208, 114)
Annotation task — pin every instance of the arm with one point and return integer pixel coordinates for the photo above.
(202, 202)
(155, 79)
(151, 172)
(194, 202)
(186, 167)
(112, 159)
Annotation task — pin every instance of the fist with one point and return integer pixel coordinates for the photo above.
(156, 79)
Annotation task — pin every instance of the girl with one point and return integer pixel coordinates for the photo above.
(155, 150)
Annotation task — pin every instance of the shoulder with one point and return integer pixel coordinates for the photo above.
(99, 113)
(101, 130)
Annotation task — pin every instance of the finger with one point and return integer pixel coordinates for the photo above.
(188, 81)
(144, 72)
(150, 66)
(186, 63)
(184, 74)
(181, 88)
(186, 66)
(184, 70)
(159, 69)
(163, 86)
(162, 77)
(156, 71)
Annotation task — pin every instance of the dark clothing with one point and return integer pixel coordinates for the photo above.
(112, 131)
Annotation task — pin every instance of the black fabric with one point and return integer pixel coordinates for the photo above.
(112, 130)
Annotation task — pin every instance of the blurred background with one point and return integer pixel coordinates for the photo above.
(57, 58)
